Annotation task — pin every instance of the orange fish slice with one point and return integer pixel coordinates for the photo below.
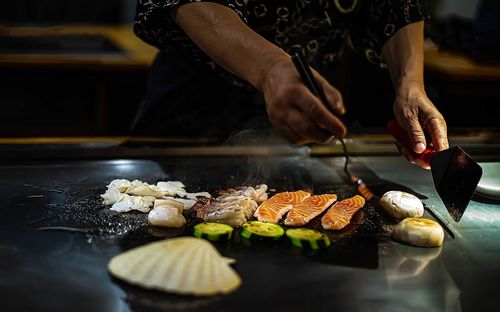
(341, 213)
(273, 209)
(305, 211)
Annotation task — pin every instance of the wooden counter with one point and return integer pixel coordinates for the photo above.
(456, 66)
(138, 55)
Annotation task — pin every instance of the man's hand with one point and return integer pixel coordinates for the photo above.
(296, 113)
(421, 120)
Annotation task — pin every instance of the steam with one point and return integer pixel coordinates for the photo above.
(279, 165)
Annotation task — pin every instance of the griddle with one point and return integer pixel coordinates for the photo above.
(56, 239)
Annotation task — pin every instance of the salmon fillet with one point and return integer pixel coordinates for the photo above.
(311, 207)
(341, 213)
(273, 209)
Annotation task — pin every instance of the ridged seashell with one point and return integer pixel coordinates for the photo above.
(184, 265)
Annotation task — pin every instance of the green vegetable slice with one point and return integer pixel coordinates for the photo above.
(261, 230)
(307, 238)
(213, 231)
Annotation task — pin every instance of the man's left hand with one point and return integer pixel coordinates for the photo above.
(422, 121)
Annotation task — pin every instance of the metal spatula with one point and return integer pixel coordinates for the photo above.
(455, 173)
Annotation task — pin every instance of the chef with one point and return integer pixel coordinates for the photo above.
(223, 62)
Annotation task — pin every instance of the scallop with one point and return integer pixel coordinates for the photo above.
(167, 216)
(185, 265)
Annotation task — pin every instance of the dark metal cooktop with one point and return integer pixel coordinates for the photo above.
(56, 239)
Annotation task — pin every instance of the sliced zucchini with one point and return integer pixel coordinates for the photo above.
(213, 231)
(261, 230)
(307, 238)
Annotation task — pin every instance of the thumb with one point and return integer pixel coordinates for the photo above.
(416, 134)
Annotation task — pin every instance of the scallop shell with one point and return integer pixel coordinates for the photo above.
(184, 265)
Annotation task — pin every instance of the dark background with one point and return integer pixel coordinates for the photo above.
(67, 102)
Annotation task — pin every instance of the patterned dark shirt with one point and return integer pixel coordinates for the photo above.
(317, 29)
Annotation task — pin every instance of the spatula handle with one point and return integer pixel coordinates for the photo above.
(401, 135)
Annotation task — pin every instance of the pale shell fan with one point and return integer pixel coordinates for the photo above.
(185, 265)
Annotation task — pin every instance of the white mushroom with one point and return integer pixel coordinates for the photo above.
(402, 205)
(419, 232)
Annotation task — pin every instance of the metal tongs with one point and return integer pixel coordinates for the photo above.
(310, 82)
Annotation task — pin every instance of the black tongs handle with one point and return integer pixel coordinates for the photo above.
(308, 78)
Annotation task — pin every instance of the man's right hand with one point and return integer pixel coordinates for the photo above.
(297, 113)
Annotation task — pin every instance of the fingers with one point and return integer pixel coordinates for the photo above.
(416, 133)
(436, 127)
(411, 156)
(333, 96)
(307, 128)
(309, 104)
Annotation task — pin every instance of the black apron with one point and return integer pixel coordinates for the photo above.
(186, 99)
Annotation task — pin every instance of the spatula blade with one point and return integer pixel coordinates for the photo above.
(455, 176)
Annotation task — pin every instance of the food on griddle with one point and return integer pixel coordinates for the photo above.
(168, 214)
(307, 238)
(121, 184)
(233, 211)
(145, 190)
(340, 214)
(177, 188)
(310, 208)
(186, 203)
(172, 188)
(125, 196)
(185, 265)
(128, 203)
(261, 231)
(402, 205)
(419, 232)
(213, 231)
(273, 209)
(258, 194)
(233, 207)
(111, 196)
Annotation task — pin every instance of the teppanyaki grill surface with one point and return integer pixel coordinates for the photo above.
(56, 239)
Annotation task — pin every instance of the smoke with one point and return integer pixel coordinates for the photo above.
(270, 159)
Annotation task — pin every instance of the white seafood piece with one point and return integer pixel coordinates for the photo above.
(402, 205)
(232, 216)
(120, 184)
(128, 203)
(184, 265)
(167, 216)
(138, 183)
(145, 190)
(172, 188)
(187, 203)
(259, 193)
(174, 202)
(111, 196)
(195, 195)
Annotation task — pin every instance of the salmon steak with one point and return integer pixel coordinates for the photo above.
(310, 208)
(273, 209)
(339, 216)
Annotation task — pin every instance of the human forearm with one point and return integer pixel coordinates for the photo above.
(404, 55)
(412, 108)
(294, 111)
(222, 35)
